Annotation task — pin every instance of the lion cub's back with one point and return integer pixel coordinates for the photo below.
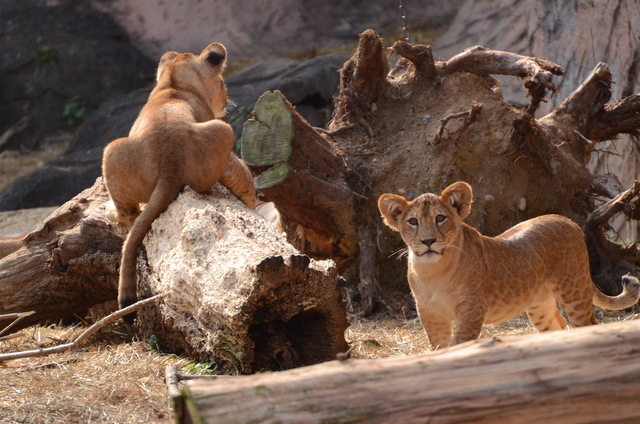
(555, 239)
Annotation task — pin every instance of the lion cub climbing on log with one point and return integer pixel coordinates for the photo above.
(176, 140)
(458, 275)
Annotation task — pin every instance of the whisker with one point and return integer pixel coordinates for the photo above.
(400, 253)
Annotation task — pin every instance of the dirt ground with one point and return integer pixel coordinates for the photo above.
(118, 378)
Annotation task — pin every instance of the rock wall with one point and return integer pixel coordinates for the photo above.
(264, 28)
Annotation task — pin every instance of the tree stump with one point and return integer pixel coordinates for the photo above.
(418, 125)
(240, 295)
(586, 375)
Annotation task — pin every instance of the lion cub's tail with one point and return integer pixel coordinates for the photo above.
(163, 194)
(629, 296)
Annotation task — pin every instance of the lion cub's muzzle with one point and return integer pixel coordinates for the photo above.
(427, 249)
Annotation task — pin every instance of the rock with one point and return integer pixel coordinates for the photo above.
(64, 177)
(309, 85)
(271, 28)
(57, 64)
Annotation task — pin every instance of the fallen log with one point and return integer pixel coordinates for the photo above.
(66, 265)
(240, 295)
(585, 375)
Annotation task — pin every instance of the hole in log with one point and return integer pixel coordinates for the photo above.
(304, 340)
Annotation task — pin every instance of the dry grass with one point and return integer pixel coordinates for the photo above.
(118, 379)
(113, 380)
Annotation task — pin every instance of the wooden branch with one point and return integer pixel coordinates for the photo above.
(585, 375)
(82, 338)
(420, 55)
(619, 117)
(607, 259)
(537, 73)
(368, 288)
(607, 185)
(469, 116)
(588, 100)
(17, 317)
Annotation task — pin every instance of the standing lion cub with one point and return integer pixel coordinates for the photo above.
(459, 276)
(175, 141)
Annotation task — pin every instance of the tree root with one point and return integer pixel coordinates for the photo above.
(610, 262)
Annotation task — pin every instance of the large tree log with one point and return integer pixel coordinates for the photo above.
(587, 375)
(68, 264)
(316, 172)
(239, 294)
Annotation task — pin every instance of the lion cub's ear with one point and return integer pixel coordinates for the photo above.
(391, 207)
(459, 195)
(164, 62)
(215, 54)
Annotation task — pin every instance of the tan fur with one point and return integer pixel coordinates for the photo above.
(459, 276)
(11, 244)
(175, 141)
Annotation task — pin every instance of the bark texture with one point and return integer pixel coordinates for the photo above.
(239, 294)
(68, 264)
(595, 31)
(588, 375)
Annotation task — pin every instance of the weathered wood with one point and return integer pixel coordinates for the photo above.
(240, 295)
(313, 196)
(68, 264)
(82, 338)
(609, 261)
(363, 81)
(421, 56)
(537, 73)
(587, 375)
(388, 135)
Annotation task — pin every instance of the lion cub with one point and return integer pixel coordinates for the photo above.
(175, 141)
(459, 276)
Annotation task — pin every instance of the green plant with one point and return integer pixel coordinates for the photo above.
(153, 343)
(75, 111)
(46, 56)
(202, 368)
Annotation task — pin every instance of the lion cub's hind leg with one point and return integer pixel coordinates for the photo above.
(545, 316)
(578, 302)
(127, 180)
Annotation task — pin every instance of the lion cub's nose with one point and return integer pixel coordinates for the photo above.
(428, 242)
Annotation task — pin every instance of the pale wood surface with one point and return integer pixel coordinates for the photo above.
(587, 375)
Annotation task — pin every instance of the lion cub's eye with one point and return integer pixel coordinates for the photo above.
(413, 221)
(440, 219)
